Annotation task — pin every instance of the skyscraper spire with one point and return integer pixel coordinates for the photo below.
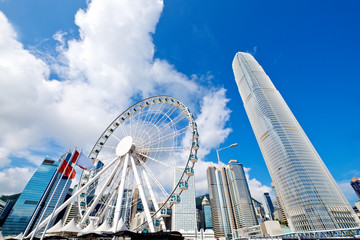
(310, 196)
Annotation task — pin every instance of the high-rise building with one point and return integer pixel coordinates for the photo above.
(2, 205)
(6, 211)
(355, 183)
(239, 195)
(309, 194)
(281, 209)
(38, 191)
(259, 210)
(268, 206)
(231, 203)
(183, 216)
(207, 213)
(219, 212)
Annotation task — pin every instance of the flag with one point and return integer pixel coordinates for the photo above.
(84, 162)
(67, 169)
(75, 156)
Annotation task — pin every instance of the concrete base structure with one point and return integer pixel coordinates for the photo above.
(208, 234)
(265, 229)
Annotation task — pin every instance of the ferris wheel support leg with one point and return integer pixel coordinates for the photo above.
(100, 194)
(142, 195)
(120, 194)
(152, 195)
(67, 202)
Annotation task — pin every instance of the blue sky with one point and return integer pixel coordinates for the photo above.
(309, 49)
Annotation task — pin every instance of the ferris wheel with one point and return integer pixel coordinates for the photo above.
(144, 160)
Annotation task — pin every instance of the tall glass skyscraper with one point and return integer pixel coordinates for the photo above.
(219, 212)
(268, 206)
(25, 207)
(183, 216)
(355, 183)
(207, 213)
(310, 196)
(230, 199)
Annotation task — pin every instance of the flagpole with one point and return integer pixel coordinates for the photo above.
(40, 202)
(52, 214)
(52, 195)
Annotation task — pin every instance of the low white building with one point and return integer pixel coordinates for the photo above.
(265, 229)
(208, 234)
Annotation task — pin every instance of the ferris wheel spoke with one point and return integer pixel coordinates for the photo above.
(137, 122)
(157, 113)
(88, 212)
(107, 157)
(108, 202)
(167, 149)
(113, 135)
(164, 117)
(166, 127)
(162, 189)
(109, 147)
(153, 198)
(144, 122)
(123, 129)
(157, 161)
(170, 136)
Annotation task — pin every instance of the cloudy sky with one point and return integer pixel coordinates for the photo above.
(68, 68)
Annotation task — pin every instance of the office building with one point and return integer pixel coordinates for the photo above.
(231, 203)
(268, 207)
(311, 198)
(219, 212)
(38, 191)
(206, 209)
(6, 211)
(259, 210)
(355, 183)
(281, 209)
(2, 205)
(183, 216)
(239, 195)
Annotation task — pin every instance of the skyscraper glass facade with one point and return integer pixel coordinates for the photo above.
(25, 207)
(219, 213)
(241, 202)
(268, 206)
(30, 197)
(207, 216)
(183, 216)
(230, 199)
(309, 194)
(355, 183)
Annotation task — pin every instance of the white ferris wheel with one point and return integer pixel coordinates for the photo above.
(144, 160)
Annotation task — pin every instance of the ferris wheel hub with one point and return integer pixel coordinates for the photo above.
(124, 146)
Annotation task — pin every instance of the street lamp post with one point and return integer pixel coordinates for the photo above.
(221, 200)
(218, 150)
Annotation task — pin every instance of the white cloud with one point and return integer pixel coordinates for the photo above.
(257, 189)
(212, 121)
(102, 72)
(13, 180)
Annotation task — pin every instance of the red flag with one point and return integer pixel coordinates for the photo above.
(67, 169)
(75, 156)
